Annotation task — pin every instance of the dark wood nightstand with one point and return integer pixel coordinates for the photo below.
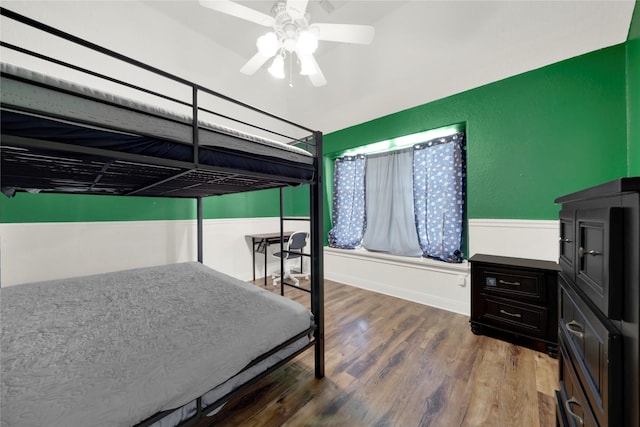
(516, 299)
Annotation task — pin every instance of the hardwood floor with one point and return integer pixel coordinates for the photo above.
(391, 362)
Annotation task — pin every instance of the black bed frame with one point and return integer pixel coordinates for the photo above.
(190, 179)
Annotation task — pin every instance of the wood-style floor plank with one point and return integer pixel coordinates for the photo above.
(390, 363)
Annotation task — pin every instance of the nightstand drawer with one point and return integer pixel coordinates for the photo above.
(515, 317)
(511, 283)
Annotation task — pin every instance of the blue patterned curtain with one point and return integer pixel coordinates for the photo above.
(439, 195)
(348, 203)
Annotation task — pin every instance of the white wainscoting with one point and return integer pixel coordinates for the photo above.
(41, 251)
(425, 281)
(436, 283)
(228, 250)
(536, 239)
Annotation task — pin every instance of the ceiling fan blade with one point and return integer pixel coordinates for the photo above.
(254, 64)
(348, 33)
(297, 8)
(239, 11)
(317, 79)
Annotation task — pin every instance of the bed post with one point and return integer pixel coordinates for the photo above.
(199, 228)
(281, 243)
(317, 264)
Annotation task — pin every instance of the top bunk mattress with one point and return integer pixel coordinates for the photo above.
(113, 349)
(38, 106)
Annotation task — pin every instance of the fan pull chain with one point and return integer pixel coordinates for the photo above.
(290, 70)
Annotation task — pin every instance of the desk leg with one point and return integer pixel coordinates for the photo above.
(266, 249)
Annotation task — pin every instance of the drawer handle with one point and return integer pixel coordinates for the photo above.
(567, 405)
(582, 252)
(510, 314)
(504, 282)
(575, 328)
(565, 240)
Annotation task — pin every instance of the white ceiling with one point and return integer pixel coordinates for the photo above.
(422, 50)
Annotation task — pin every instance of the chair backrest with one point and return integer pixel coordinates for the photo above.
(297, 240)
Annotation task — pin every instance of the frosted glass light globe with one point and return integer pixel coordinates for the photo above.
(307, 43)
(268, 44)
(277, 67)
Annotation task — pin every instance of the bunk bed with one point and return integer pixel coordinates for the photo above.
(59, 136)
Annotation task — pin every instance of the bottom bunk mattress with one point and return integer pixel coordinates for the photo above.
(114, 349)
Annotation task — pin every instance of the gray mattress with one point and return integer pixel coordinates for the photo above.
(76, 102)
(113, 349)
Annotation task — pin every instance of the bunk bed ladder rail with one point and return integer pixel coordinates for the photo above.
(317, 256)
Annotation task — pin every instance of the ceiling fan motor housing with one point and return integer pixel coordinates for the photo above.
(288, 24)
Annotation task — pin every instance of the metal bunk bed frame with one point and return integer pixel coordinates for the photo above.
(255, 181)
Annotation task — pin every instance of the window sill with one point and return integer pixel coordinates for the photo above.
(412, 262)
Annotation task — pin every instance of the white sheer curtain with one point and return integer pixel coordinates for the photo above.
(391, 223)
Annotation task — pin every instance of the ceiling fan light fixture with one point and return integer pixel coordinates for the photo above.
(307, 42)
(307, 67)
(292, 31)
(268, 44)
(277, 67)
(289, 44)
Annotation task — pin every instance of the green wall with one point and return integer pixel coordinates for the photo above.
(26, 207)
(73, 207)
(633, 93)
(264, 203)
(530, 138)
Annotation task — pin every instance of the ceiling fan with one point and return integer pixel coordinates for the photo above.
(291, 32)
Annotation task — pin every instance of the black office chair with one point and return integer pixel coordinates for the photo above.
(297, 241)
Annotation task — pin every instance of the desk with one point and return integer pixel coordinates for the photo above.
(263, 241)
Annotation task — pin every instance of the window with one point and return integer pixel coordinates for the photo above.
(406, 202)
